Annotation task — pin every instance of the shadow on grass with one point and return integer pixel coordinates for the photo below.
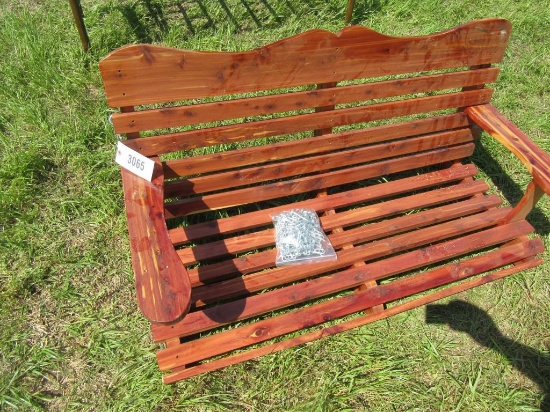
(465, 317)
(150, 20)
(189, 22)
(363, 8)
(512, 191)
(143, 32)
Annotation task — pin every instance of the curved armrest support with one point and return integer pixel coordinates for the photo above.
(534, 158)
(162, 283)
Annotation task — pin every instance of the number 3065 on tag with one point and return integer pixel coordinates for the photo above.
(135, 162)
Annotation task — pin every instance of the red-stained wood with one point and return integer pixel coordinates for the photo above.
(393, 118)
(323, 97)
(338, 307)
(262, 129)
(127, 110)
(232, 288)
(535, 159)
(263, 260)
(313, 183)
(143, 74)
(324, 107)
(347, 325)
(232, 224)
(532, 195)
(202, 320)
(162, 284)
(260, 239)
(286, 149)
(314, 164)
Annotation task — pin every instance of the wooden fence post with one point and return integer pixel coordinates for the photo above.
(79, 20)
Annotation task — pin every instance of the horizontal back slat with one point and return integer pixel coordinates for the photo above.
(313, 164)
(276, 151)
(286, 102)
(316, 182)
(145, 74)
(293, 124)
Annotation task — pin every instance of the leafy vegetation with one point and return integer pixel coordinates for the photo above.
(71, 337)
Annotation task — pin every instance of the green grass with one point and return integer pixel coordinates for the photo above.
(71, 335)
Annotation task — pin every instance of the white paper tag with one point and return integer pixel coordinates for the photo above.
(134, 162)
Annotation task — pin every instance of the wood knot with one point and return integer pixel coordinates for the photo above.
(259, 332)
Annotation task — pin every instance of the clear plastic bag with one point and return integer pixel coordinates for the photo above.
(300, 239)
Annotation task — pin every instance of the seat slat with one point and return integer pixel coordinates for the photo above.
(253, 220)
(263, 105)
(316, 182)
(209, 318)
(357, 322)
(263, 260)
(314, 164)
(174, 142)
(256, 282)
(261, 331)
(265, 238)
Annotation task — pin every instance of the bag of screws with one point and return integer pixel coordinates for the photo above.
(300, 239)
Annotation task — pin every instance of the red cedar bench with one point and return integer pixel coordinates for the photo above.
(373, 132)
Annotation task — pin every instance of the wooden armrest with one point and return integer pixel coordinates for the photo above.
(162, 283)
(534, 158)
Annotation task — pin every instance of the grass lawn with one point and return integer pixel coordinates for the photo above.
(71, 335)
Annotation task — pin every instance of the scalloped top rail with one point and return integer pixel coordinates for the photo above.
(145, 74)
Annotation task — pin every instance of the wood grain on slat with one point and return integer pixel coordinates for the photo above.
(143, 74)
(322, 312)
(301, 292)
(202, 320)
(313, 164)
(255, 282)
(263, 260)
(352, 217)
(276, 151)
(312, 183)
(535, 159)
(261, 129)
(253, 220)
(354, 323)
(178, 116)
(162, 284)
